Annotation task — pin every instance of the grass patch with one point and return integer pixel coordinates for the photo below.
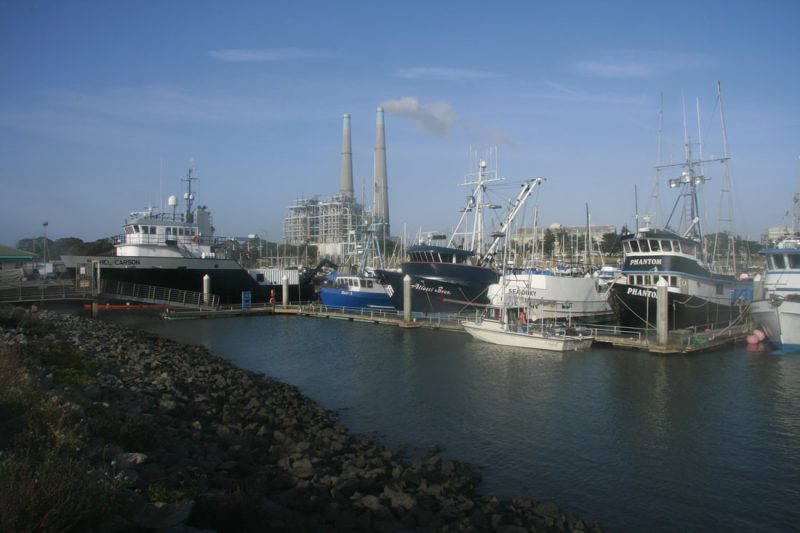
(45, 483)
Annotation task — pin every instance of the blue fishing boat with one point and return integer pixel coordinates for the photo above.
(362, 290)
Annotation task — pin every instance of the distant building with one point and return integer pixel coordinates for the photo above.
(334, 225)
(12, 264)
(775, 234)
(568, 245)
(337, 225)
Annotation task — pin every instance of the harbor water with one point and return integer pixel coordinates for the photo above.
(633, 441)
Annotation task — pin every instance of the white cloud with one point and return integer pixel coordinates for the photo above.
(436, 117)
(441, 73)
(158, 103)
(626, 65)
(239, 55)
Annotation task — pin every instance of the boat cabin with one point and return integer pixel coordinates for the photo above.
(354, 283)
(786, 256)
(438, 254)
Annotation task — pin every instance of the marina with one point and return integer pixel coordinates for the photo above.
(361, 267)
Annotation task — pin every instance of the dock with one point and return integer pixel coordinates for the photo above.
(179, 305)
(681, 341)
(352, 314)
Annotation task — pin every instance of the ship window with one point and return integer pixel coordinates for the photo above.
(654, 246)
(369, 284)
(779, 262)
(128, 230)
(627, 247)
(644, 246)
(362, 283)
(136, 229)
(259, 276)
(673, 281)
(676, 246)
(794, 260)
(666, 246)
(180, 231)
(639, 280)
(719, 288)
(168, 231)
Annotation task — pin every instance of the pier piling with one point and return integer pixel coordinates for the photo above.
(407, 298)
(662, 311)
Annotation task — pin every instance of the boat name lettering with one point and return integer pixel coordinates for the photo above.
(646, 261)
(636, 291)
(433, 290)
(522, 291)
(110, 262)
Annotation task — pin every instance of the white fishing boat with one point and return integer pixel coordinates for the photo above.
(549, 295)
(777, 313)
(509, 326)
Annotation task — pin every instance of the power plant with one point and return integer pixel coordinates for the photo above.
(337, 225)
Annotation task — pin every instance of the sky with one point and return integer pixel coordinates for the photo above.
(104, 106)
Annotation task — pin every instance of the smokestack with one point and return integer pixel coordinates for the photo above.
(346, 175)
(381, 202)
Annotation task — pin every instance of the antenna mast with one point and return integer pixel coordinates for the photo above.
(726, 189)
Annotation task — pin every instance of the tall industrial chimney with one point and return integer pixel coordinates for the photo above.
(381, 202)
(346, 175)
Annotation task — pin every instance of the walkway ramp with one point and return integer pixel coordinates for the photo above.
(121, 290)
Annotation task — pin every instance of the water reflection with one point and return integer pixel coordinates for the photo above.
(635, 441)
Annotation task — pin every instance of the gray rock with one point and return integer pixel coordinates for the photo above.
(126, 460)
(546, 509)
(160, 515)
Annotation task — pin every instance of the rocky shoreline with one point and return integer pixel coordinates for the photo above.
(189, 442)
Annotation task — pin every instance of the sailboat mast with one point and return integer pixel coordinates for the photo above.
(727, 185)
(587, 250)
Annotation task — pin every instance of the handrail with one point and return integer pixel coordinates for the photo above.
(159, 295)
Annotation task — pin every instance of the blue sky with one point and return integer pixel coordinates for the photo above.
(103, 102)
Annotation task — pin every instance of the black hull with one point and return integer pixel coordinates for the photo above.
(637, 308)
(227, 283)
(440, 287)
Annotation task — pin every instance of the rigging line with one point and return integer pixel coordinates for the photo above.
(634, 313)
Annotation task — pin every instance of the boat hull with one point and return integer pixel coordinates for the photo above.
(440, 287)
(550, 297)
(336, 297)
(780, 320)
(635, 307)
(489, 331)
(228, 279)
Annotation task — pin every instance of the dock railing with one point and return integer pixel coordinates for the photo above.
(43, 290)
(158, 295)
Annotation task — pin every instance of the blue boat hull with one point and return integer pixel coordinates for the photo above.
(336, 297)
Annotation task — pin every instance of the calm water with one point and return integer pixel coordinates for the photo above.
(633, 441)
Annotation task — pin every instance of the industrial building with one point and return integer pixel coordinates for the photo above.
(336, 225)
